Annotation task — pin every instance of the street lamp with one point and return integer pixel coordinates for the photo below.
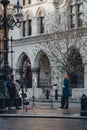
(8, 20)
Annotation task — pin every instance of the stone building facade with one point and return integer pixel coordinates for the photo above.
(50, 30)
(1, 44)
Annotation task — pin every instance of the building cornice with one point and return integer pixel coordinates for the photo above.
(50, 37)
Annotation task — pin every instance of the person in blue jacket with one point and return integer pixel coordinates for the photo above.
(65, 93)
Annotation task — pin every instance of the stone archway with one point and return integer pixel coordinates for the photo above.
(76, 69)
(44, 77)
(24, 70)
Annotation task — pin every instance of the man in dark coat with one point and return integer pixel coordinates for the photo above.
(12, 91)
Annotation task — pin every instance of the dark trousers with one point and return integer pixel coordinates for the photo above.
(64, 102)
(13, 102)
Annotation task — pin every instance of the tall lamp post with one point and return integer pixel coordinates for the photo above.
(8, 21)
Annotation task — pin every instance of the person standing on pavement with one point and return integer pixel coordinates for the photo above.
(12, 91)
(65, 93)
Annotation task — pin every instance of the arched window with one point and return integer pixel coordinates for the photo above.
(27, 23)
(41, 24)
(23, 2)
(40, 20)
(24, 30)
(76, 14)
(29, 1)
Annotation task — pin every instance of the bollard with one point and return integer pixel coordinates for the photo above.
(83, 111)
(47, 94)
(56, 94)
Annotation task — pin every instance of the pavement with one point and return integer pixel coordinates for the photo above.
(46, 110)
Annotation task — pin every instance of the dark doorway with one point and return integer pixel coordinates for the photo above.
(27, 73)
(76, 69)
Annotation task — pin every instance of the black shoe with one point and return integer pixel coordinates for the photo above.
(61, 107)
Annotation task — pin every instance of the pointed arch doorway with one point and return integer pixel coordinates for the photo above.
(44, 79)
(26, 73)
(76, 69)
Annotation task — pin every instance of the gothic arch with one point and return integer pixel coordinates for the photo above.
(42, 61)
(41, 52)
(40, 15)
(28, 15)
(40, 12)
(76, 68)
(20, 60)
(24, 69)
